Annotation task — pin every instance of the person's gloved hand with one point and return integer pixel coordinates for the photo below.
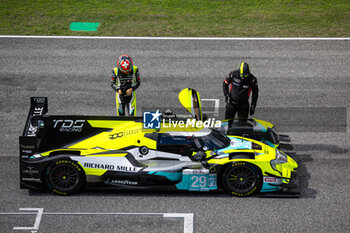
(252, 110)
(129, 91)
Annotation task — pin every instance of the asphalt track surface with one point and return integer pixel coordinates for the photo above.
(293, 76)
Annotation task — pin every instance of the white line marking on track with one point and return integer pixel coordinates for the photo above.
(188, 217)
(37, 219)
(173, 38)
(188, 220)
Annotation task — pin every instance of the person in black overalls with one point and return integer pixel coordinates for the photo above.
(237, 87)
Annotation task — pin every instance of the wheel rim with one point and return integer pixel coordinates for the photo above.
(241, 179)
(64, 177)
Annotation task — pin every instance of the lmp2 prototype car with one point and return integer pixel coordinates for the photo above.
(68, 153)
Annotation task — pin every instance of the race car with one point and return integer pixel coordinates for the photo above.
(252, 128)
(259, 130)
(68, 153)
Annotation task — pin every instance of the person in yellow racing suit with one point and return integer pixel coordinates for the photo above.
(125, 80)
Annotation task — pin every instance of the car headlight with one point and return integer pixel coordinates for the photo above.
(280, 159)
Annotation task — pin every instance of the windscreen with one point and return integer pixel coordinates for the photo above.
(215, 140)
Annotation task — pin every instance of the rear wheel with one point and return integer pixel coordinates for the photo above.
(65, 177)
(241, 179)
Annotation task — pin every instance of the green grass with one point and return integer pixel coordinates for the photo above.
(214, 18)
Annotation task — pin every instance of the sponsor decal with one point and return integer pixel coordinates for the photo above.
(125, 169)
(69, 126)
(199, 171)
(245, 194)
(29, 170)
(238, 164)
(39, 100)
(110, 167)
(37, 112)
(99, 166)
(151, 120)
(240, 144)
(59, 192)
(27, 147)
(124, 133)
(124, 182)
(132, 131)
(270, 179)
(212, 181)
(27, 151)
(32, 179)
(116, 135)
(31, 130)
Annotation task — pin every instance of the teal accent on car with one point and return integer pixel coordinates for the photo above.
(173, 176)
(261, 127)
(269, 188)
(236, 144)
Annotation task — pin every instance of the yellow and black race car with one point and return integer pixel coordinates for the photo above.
(68, 153)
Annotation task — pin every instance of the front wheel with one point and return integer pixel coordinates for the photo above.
(241, 179)
(65, 177)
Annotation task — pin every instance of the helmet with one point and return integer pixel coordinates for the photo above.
(244, 70)
(124, 63)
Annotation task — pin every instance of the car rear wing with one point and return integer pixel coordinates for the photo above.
(28, 142)
(38, 107)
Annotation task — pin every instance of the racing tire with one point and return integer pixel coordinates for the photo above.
(241, 179)
(65, 177)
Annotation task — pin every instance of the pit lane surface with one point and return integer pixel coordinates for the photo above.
(74, 74)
